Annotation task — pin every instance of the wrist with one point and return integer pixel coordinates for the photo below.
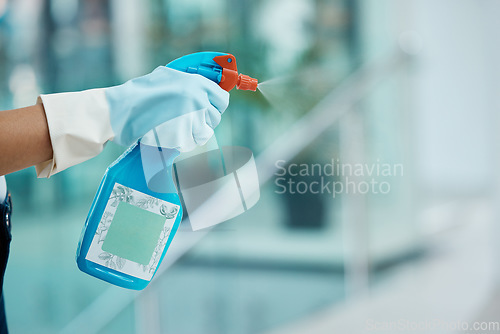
(79, 126)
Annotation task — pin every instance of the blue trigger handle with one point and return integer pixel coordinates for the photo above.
(201, 63)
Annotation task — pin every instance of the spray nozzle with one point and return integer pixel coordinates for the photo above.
(219, 67)
(230, 77)
(247, 83)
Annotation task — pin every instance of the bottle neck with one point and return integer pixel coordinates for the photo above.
(157, 165)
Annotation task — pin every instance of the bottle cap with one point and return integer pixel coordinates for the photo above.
(247, 83)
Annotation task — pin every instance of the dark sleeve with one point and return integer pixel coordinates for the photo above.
(5, 238)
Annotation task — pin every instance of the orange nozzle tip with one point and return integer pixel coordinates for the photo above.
(247, 83)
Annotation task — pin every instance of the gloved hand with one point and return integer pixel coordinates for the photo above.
(141, 104)
(80, 123)
(185, 132)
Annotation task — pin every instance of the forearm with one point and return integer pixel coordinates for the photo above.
(24, 138)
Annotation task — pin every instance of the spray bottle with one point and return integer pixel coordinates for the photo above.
(137, 211)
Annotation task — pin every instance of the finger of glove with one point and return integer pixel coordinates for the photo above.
(217, 96)
(175, 133)
(212, 117)
(183, 133)
(201, 130)
(202, 91)
(145, 102)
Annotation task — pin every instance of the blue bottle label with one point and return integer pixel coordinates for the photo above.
(132, 232)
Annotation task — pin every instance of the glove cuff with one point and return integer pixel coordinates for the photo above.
(79, 126)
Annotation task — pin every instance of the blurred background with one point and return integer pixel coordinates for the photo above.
(406, 83)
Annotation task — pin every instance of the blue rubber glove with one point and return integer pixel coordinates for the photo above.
(80, 123)
(184, 133)
(144, 103)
